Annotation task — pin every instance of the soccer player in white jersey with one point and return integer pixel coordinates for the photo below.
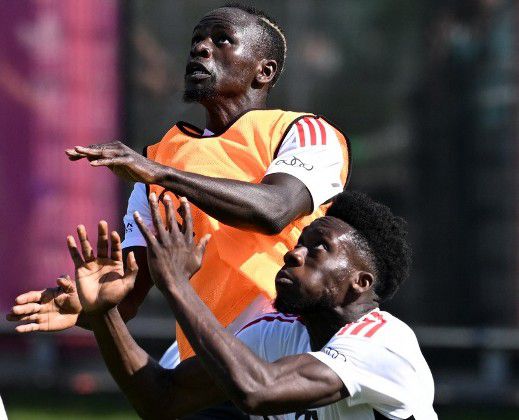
(336, 356)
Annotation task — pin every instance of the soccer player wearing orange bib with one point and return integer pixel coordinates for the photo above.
(255, 177)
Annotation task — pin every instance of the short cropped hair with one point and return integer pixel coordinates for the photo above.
(275, 42)
(381, 234)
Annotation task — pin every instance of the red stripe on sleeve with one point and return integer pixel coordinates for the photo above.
(364, 323)
(343, 329)
(301, 134)
(322, 129)
(313, 134)
(380, 324)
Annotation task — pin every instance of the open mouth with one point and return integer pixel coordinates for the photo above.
(283, 279)
(196, 70)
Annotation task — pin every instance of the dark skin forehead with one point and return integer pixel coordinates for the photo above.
(329, 228)
(229, 17)
(340, 234)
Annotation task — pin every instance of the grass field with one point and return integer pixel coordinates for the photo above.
(47, 406)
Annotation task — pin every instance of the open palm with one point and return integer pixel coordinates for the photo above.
(51, 309)
(101, 281)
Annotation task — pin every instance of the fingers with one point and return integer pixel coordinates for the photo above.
(86, 248)
(95, 151)
(26, 309)
(117, 250)
(74, 253)
(27, 318)
(29, 297)
(90, 151)
(131, 262)
(157, 219)
(148, 236)
(188, 220)
(131, 269)
(73, 155)
(200, 248)
(109, 161)
(66, 283)
(27, 328)
(170, 212)
(102, 239)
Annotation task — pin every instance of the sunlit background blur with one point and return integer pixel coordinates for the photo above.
(427, 91)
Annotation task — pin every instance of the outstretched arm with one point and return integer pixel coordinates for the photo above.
(58, 308)
(291, 383)
(153, 391)
(267, 207)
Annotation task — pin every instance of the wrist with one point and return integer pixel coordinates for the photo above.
(173, 290)
(99, 313)
(161, 174)
(97, 316)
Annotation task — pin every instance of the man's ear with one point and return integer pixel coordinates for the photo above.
(267, 69)
(363, 282)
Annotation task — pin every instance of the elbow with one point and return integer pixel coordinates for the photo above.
(250, 403)
(252, 398)
(271, 221)
(271, 228)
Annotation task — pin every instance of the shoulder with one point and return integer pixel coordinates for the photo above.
(274, 321)
(382, 329)
(274, 335)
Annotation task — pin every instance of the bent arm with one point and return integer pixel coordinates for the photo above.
(267, 207)
(256, 386)
(153, 391)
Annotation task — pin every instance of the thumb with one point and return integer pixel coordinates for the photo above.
(66, 283)
(131, 266)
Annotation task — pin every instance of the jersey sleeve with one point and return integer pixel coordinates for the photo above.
(253, 338)
(311, 152)
(270, 336)
(373, 375)
(137, 202)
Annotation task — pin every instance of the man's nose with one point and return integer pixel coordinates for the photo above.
(201, 49)
(296, 257)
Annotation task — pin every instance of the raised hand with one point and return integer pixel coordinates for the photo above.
(52, 309)
(120, 159)
(101, 281)
(173, 255)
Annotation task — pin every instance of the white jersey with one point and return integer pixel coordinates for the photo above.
(377, 358)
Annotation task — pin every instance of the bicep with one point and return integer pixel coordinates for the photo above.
(292, 192)
(300, 382)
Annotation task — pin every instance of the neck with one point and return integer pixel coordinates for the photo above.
(220, 112)
(322, 325)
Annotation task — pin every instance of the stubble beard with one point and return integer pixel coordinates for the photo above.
(302, 306)
(199, 94)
